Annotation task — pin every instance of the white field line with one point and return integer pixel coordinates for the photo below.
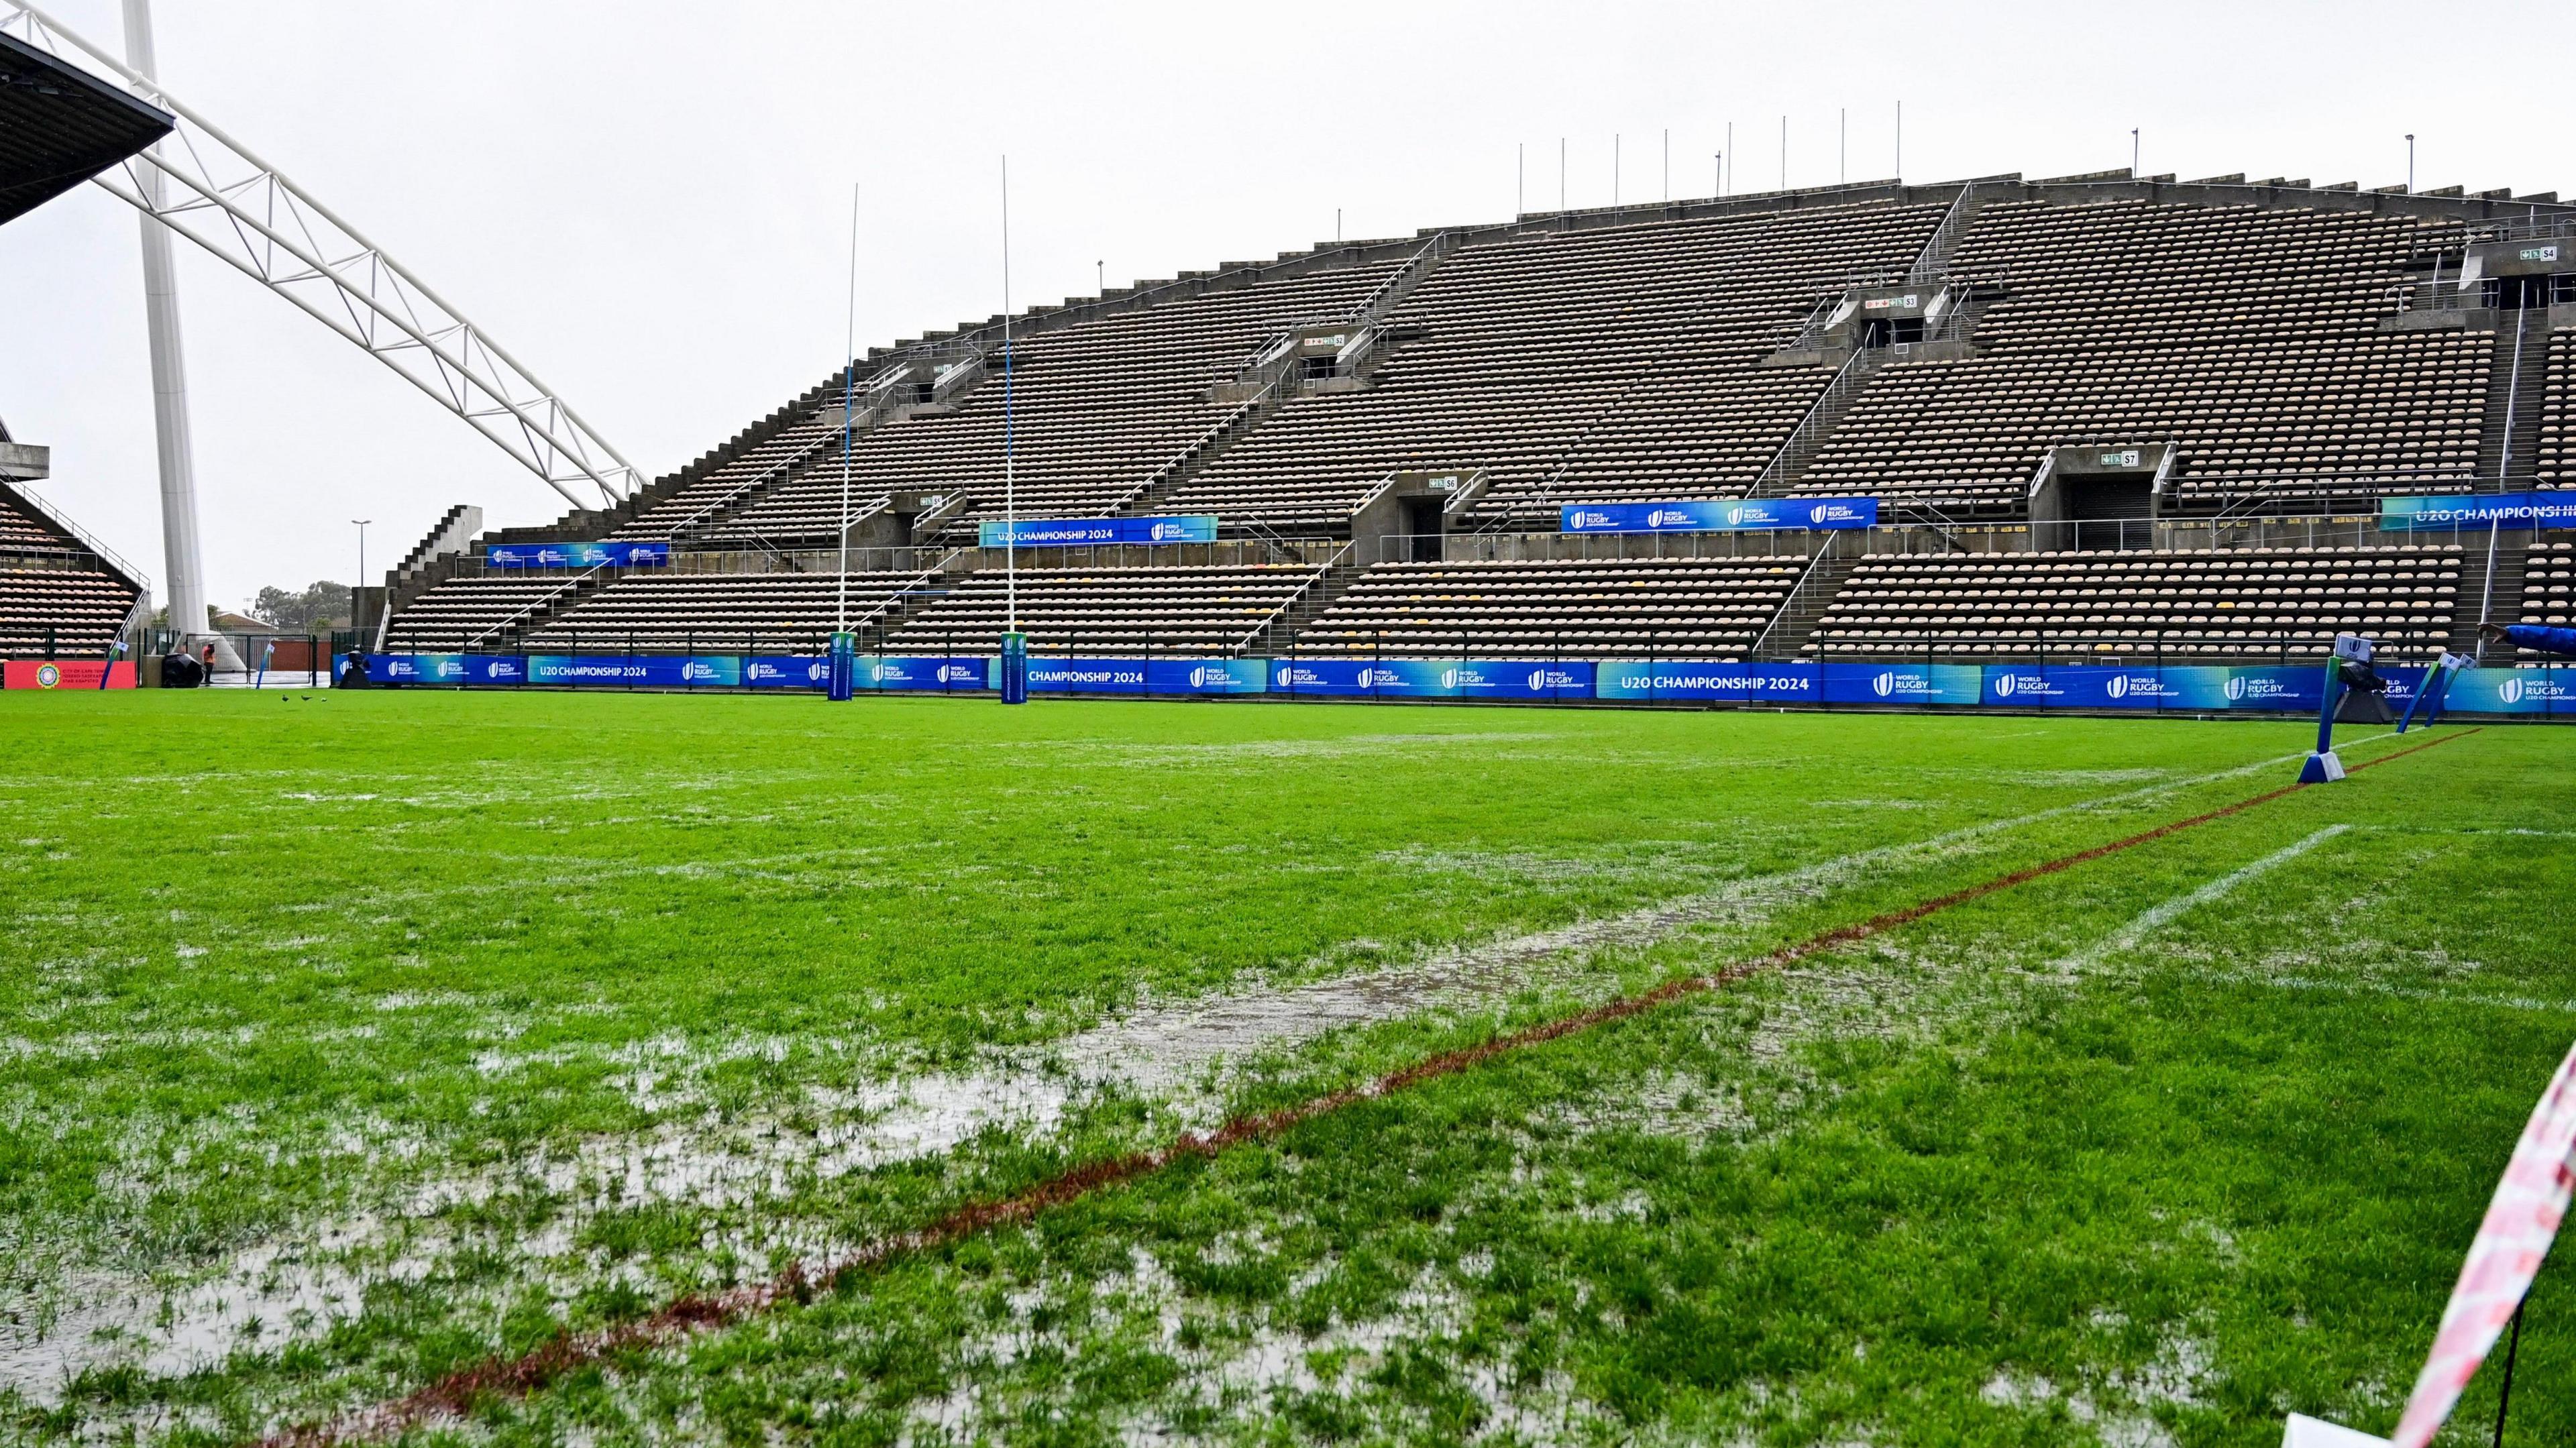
(1181, 1054)
(2158, 916)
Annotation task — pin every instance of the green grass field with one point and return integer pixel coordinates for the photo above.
(348, 1040)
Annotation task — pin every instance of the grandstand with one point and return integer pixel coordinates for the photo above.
(62, 593)
(2102, 416)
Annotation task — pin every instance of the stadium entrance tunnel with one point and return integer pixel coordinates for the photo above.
(2097, 497)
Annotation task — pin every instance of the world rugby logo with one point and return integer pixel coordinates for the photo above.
(2118, 688)
(2004, 686)
(1661, 516)
(1884, 684)
(1281, 674)
(2235, 690)
(2510, 691)
(1820, 512)
(1734, 515)
(1448, 678)
(955, 673)
(1161, 531)
(1538, 678)
(1199, 677)
(47, 676)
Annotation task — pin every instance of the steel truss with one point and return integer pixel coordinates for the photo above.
(207, 187)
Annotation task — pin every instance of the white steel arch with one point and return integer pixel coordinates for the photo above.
(207, 187)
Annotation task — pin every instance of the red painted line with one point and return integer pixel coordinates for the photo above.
(455, 1394)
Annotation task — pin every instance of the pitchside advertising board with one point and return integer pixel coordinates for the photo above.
(2198, 689)
(1720, 515)
(1084, 532)
(2451, 514)
(64, 674)
(1434, 678)
(578, 555)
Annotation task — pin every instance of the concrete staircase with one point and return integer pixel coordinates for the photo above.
(2509, 434)
(2495, 594)
(1280, 635)
(1788, 467)
(1786, 635)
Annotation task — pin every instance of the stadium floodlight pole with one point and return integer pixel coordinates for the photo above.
(183, 556)
(1784, 153)
(1842, 145)
(2133, 153)
(1614, 170)
(849, 414)
(1560, 174)
(2410, 163)
(1900, 142)
(1726, 182)
(1717, 175)
(1520, 179)
(1668, 164)
(252, 217)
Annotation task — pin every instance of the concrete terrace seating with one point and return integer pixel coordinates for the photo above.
(1106, 611)
(1622, 358)
(1705, 607)
(2252, 602)
(2548, 588)
(21, 528)
(46, 612)
(1096, 409)
(2248, 336)
(470, 609)
(717, 612)
(2556, 464)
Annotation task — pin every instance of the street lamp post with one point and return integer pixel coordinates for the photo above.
(358, 589)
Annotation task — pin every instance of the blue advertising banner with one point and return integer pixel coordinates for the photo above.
(585, 670)
(2290, 688)
(787, 671)
(1521, 679)
(1702, 682)
(577, 555)
(1077, 532)
(1719, 515)
(943, 675)
(495, 669)
(1904, 684)
(2549, 690)
(2513, 510)
(1087, 676)
(416, 668)
(1206, 676)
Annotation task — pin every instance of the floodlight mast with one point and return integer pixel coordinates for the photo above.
(207, 187)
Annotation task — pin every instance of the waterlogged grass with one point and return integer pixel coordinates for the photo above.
(350, 1039)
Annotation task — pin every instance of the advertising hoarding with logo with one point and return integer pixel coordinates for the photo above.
(577, 555)
(1904, 684)
(63, 674)
(1720, 515)
(1085, 532)
(1698, 681)
(2450, 514)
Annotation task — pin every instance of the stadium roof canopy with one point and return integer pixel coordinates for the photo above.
(60, 125)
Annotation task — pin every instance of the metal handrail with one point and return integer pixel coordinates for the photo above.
(1810, 424)
(85, 538)
(1235, 649)
(506, 624)
(1182, 459)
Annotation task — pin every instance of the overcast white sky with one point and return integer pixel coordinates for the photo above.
(648, 202)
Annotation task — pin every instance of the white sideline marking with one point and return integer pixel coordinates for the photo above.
(2156, 917)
